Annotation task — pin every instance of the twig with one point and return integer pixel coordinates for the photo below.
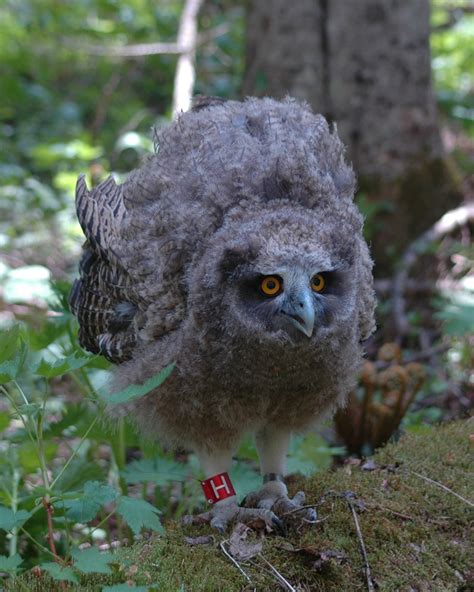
(49, 513)
(128, 51)
(368, 575)
(74, 453)
(278, 575)
(446, 224)
(140, 50)
(299, 509)
(185, 73)
(433, 482)
(14, 507)
(236, 563)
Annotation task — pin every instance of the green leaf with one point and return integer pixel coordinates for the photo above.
(89, 503)
(139, 514)
(99, 492)
(81, 510)
(78, 473)
(92, 561)
(10, 519)
(310, 454)
(48, 332)
(8, 342)
(158, 470)
(4, 421)
(28, 454)
(134, 391)
(30, 409)
(62, 366)
(9, 370)
(76, 418)
(60, 573)
(10, 564)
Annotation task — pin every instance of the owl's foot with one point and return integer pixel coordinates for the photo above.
(273, 495)
(227, 512)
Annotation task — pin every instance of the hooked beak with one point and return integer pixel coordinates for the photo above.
(300, 312)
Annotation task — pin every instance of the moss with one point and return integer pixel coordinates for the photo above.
(416, 533)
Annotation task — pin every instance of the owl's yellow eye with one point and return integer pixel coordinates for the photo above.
(317, 283)
(271, 285)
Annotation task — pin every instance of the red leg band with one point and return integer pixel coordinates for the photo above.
(218, 488)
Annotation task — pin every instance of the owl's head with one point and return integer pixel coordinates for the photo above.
(281, 254)
(281, 276)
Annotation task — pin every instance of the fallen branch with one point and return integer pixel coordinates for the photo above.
(438, 484)
(449, 222)
(236, 563)
(282, 580)
(368, 574)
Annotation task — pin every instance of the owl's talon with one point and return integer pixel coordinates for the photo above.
(222, 515)
(299, 498)
(273, 496)
(311, 516)
(280, 526)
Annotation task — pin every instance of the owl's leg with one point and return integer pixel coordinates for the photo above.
(227, 511)
(272, 447)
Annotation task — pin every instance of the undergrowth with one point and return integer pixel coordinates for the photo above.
(412, 504)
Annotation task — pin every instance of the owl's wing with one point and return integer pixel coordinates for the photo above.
(104, 300)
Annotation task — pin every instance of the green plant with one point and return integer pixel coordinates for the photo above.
(66, 476)
(52, 487)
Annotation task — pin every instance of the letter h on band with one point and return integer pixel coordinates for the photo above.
(217, 488)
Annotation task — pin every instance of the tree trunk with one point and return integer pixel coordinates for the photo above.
(366, 65)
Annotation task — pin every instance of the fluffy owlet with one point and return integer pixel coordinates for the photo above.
(236, 252)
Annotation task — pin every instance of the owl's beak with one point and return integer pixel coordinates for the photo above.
(300, 312)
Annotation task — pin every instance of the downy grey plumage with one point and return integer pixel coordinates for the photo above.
(174, 258)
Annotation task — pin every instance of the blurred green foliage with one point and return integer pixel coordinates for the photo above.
(66, 110)
(452, 46)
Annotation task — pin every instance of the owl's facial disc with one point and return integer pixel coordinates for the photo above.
(291, 298)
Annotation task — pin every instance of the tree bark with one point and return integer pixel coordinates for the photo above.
(364, 64)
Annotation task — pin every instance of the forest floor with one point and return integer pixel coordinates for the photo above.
(408, 507)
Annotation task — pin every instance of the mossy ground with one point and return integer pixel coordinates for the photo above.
(416, 533)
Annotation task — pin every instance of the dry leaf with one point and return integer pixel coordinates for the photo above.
(239, 547)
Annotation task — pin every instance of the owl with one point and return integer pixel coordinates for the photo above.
(235, 252)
